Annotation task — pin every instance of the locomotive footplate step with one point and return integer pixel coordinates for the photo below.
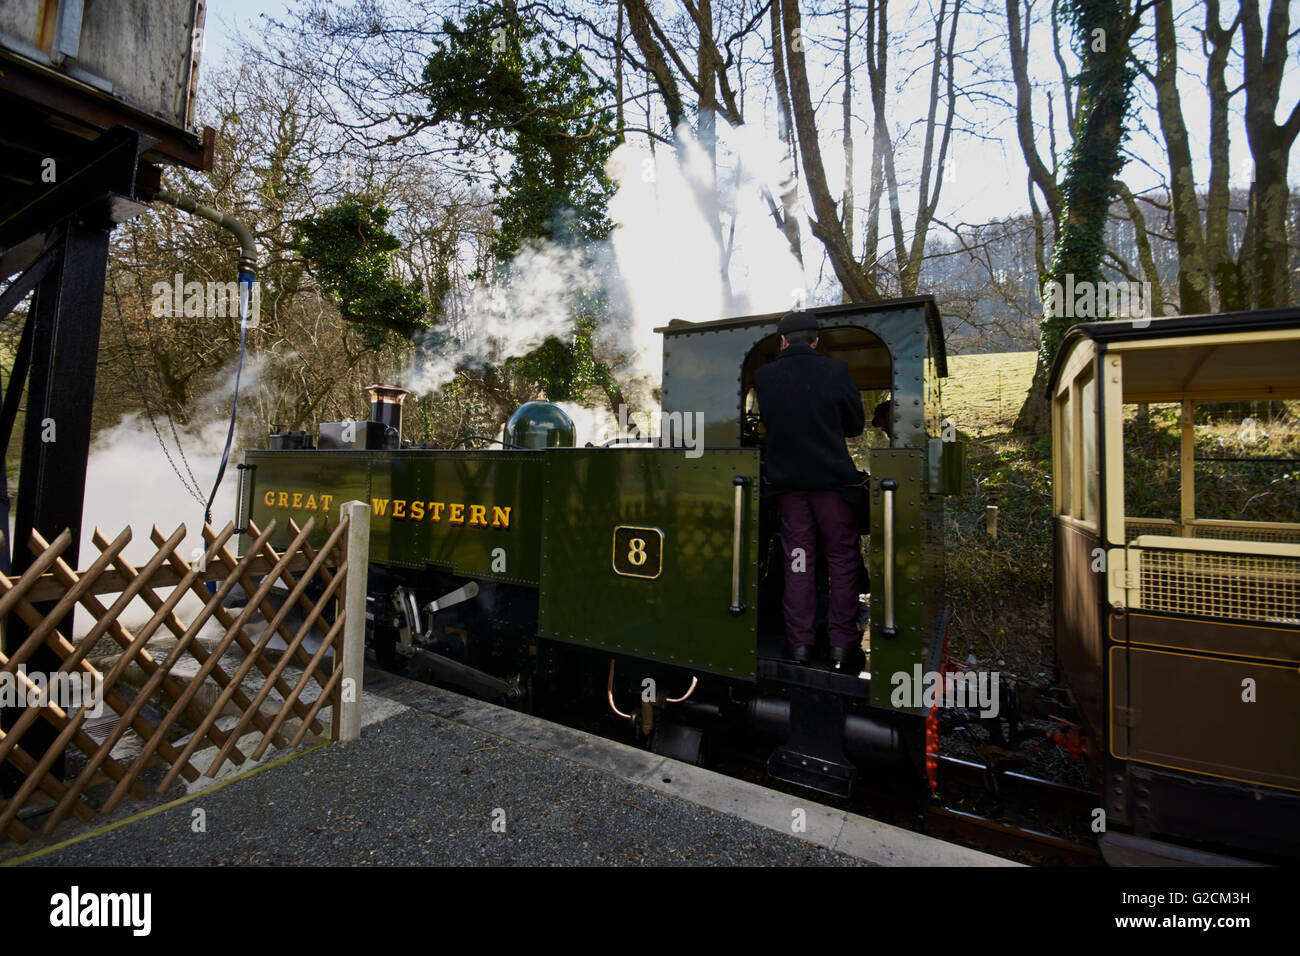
(815, 677)
(808, 770)
(813, 754)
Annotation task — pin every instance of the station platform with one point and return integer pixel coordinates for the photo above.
(441, 779)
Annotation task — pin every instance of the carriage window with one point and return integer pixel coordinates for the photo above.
(1065, 453)
(1088, 443)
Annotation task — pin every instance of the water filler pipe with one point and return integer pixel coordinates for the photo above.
(247, 273)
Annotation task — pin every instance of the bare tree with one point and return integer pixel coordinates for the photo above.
(846, 106)
(1193, 266)
(786, 217)
(1216, 43)
(275, 163)
(936, 139)
(1027, 136)
(834, 228)
(1263, 65)
(1142, 240)
(825, 223)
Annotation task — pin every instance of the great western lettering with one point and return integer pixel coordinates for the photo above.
(463, 513)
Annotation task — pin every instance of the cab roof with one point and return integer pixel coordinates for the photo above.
(1195, 354)
(826, 315)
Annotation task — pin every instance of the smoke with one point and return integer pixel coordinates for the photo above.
(683, 247)
(688, 249)
(594, 425)
(510, 315)
(129, 482)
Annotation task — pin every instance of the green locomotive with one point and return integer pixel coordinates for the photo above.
(647, 574)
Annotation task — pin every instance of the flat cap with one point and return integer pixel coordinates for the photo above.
(797, 322)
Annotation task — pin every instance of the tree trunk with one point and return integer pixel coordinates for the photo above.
(1263, 65)
(1193, 269)
(789, 220)
(1144, 249)
(932, 166)
(618, 71)
(825, 223)
(1043, 178)
(877, 72)
(846, 105)
(638, 19)
(706, 116)
(1102, 29)
(1225, 272)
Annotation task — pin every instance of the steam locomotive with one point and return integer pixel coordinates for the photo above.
(646, 577)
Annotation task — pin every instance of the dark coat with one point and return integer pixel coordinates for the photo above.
(809, 405)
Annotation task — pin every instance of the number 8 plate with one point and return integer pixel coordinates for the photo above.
(638, 552)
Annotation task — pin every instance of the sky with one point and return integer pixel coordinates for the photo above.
(985, 178)
(227, 18)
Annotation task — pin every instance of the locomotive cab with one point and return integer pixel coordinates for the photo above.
(892, 348)
(867, 357)
(870, 368)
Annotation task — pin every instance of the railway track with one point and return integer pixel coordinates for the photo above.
(1012, 796)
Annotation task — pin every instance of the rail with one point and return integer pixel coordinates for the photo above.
(737, 528)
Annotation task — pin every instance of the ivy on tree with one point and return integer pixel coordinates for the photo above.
(508, 88)
(1105, 84)
(351, 255)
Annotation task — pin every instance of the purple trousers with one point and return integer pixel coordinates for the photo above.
(802, 514)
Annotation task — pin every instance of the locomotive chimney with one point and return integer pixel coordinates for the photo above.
(386, 408)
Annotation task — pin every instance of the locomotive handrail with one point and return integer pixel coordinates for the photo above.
(241, 492)
(738, 482)
(888, 487)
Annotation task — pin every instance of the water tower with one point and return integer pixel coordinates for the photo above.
(97, 96)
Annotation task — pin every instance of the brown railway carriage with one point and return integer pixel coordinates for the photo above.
(1179, 635)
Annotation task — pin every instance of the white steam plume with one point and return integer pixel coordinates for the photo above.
(681, 249)
(509, 316)
(129, 482)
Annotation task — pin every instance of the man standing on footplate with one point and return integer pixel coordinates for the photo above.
(809, 405)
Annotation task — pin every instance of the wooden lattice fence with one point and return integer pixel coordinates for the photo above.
(186, 695)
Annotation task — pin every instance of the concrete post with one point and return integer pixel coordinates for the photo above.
(354, 627)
